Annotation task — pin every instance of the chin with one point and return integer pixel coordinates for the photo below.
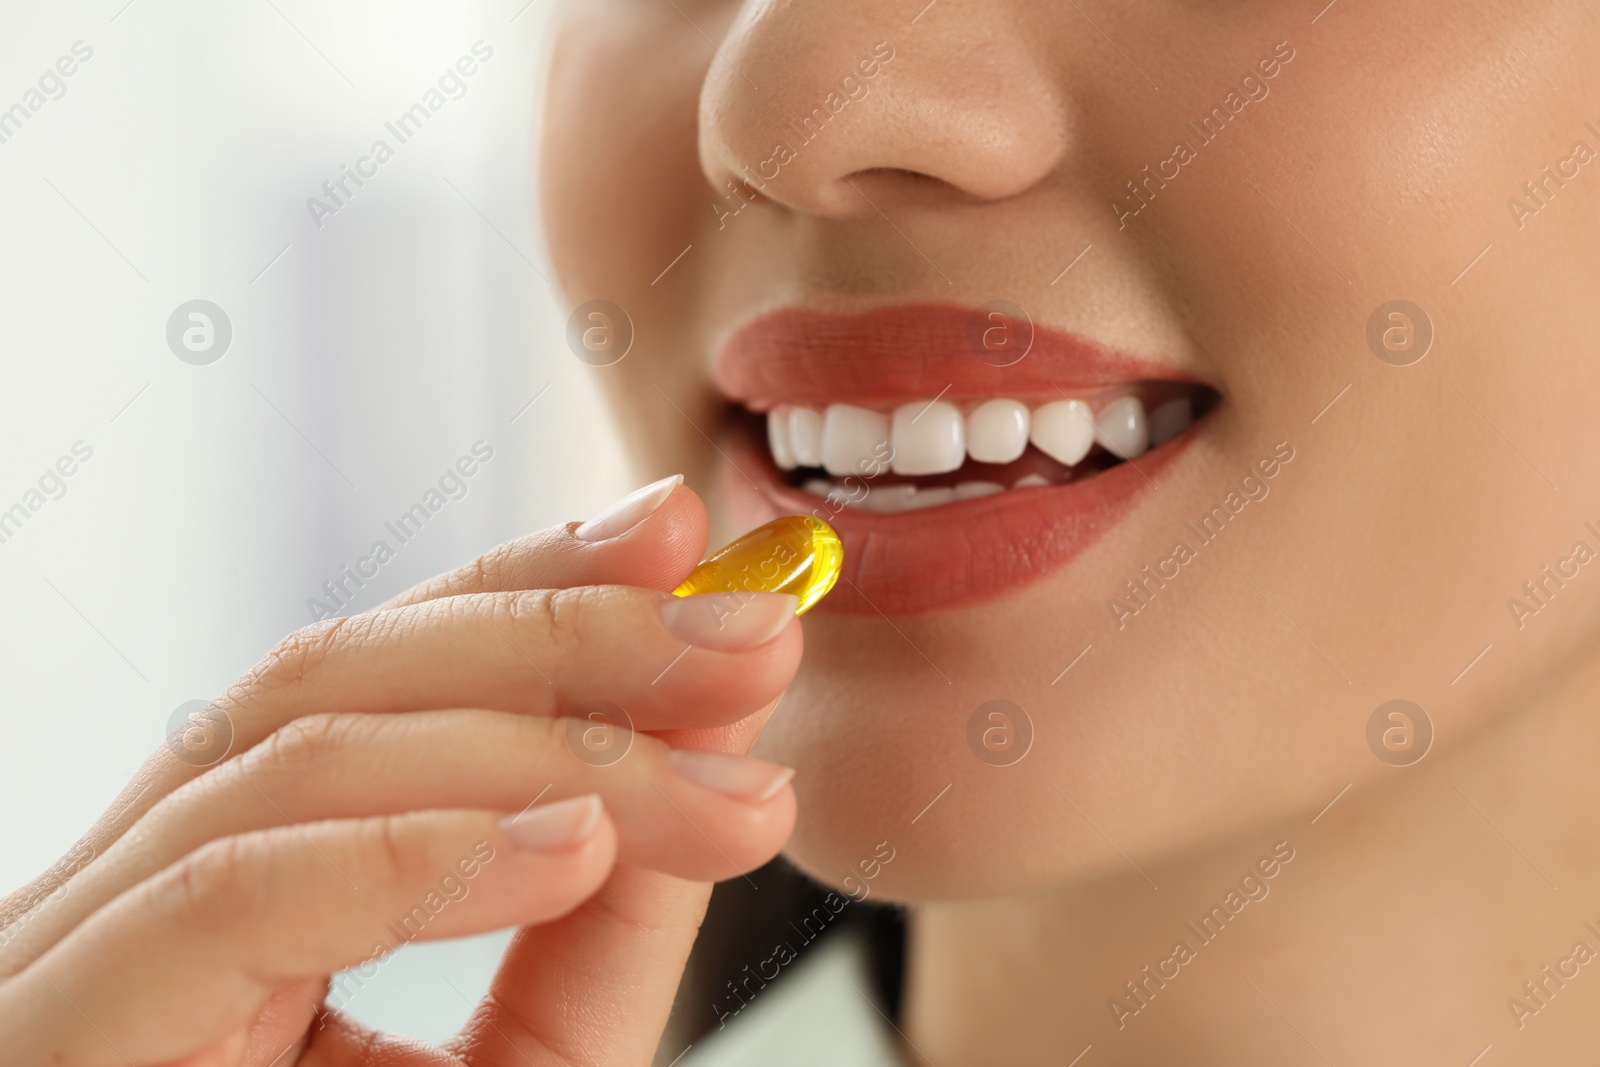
(887, 757)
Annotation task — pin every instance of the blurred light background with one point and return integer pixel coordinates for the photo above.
(367, 355)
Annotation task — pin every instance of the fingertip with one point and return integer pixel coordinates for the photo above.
(651, 539)
(686, 530)
(562, 852)
(711, 688)
(555, 828)
(621, 517)
(729, 622)
(752, 834)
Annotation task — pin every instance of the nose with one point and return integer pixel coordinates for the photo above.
(809, 101)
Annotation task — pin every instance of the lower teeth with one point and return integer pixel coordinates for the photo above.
(903, 497)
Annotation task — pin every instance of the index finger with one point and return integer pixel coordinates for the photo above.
(652, 538)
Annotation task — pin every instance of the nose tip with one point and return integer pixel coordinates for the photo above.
(965, 108)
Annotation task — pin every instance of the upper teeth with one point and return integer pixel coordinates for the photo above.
(850, 436)
(933, 437)
(1064, 430)
(997, 431)
(1122, 428)
(928, 438)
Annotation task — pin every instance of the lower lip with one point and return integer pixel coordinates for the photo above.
(958, 554)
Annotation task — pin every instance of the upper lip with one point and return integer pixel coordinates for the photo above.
(891, 354)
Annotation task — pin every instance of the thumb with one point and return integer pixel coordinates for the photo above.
(597, 986)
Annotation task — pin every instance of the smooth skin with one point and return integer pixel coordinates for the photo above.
(198, 922)
(985, 159)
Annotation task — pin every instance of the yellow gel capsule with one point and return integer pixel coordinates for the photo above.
(797, 554)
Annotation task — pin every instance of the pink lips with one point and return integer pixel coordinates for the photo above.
(897, 354)
(942, 557)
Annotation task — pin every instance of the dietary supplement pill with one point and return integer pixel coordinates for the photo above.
(797, 554)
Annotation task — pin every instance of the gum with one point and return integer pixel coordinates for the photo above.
(797, 554)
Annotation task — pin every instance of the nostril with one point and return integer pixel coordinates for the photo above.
(891, 174)
(867, 188)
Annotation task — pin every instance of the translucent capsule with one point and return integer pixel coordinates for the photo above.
(796, 554)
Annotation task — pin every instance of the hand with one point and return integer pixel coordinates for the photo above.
(371, 795)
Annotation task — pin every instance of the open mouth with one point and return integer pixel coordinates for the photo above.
(949, 478)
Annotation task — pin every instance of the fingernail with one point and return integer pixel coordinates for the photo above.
(729, 622)
(553, 827)
(628, 512)
(739, 777)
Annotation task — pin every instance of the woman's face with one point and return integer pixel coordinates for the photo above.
(817, 205)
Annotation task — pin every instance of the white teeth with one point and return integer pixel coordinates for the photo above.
(853, 440)
(929, 437)
(997, 431)
(886, 498)
(805, 436)
(1170, 419)
(1064, 430)
(931, 498)
(1122, 428)
(835, 495)
(778, 438)
(794, 435)
(973, 490)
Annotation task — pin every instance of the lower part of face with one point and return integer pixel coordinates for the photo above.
(1364, 241)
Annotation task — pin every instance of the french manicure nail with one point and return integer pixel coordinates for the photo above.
(628, 512)
(729, 622)
(553, 827)
(739, 777)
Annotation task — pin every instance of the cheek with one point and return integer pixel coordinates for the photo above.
(622, 196)
(1384, 171)
(618, 164)
(1424, 165)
